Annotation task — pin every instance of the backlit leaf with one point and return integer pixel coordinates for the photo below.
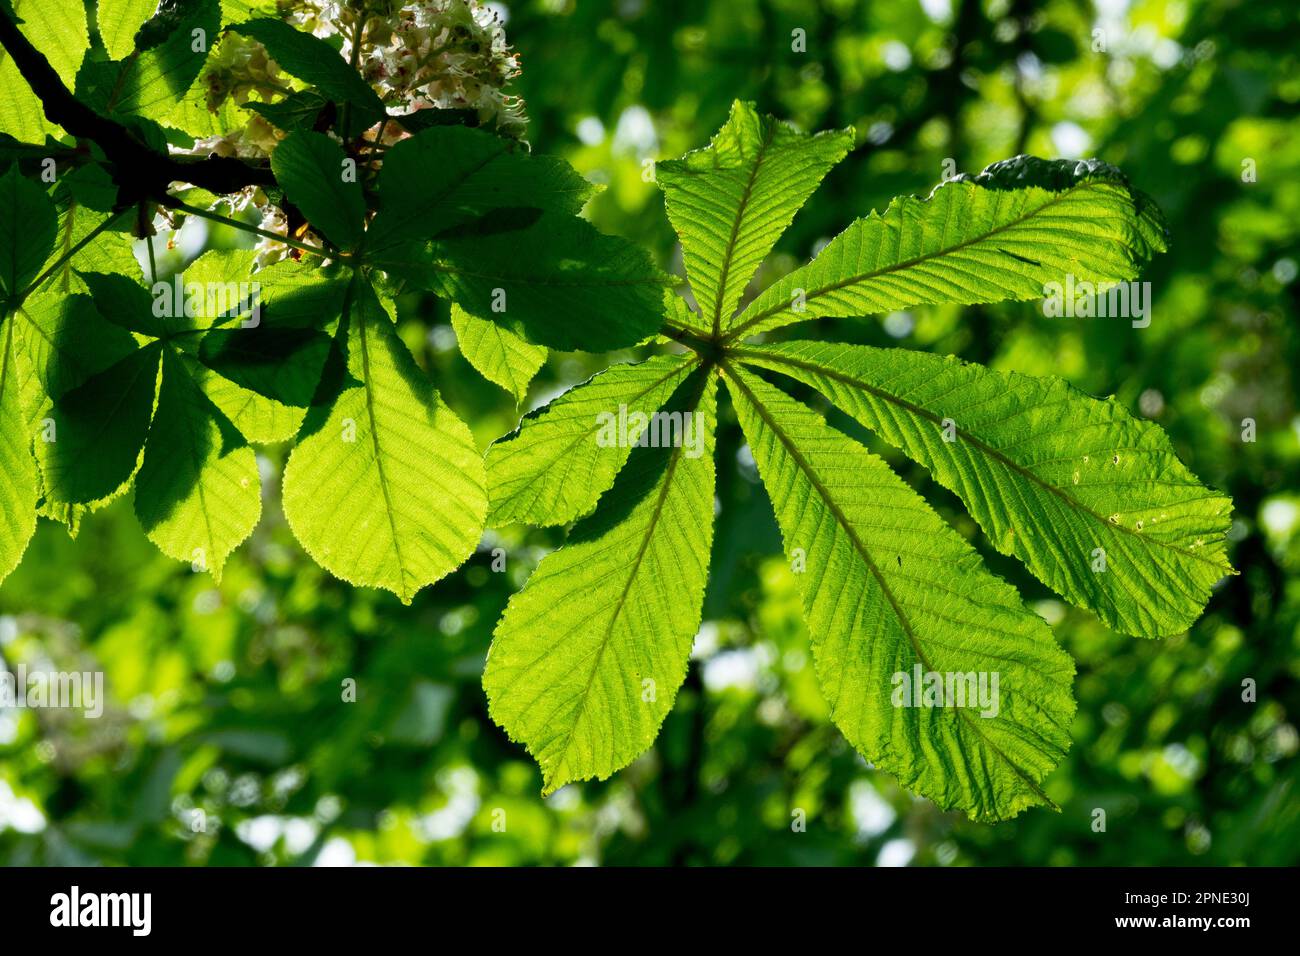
(889, 589)
(385, 486)
(588, 657)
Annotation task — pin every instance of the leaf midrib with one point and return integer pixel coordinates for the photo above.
(730, 251)
(362, 320)
(5, 354)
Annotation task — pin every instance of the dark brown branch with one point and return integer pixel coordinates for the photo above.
(140, 171)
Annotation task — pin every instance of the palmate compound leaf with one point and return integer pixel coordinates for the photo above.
(385, 486)
(498, 352)
(1005, 234)
(890, 589)
(1093, 501)
(587, 659)
(563, 456)
(730, 201)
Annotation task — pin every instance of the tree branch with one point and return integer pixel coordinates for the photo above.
(140, 171)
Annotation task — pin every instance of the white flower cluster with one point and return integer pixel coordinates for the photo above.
(240, 70)
(427, 54)
(430, 54)
(446, 54)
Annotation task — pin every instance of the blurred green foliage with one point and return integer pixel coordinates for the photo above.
(227, 739)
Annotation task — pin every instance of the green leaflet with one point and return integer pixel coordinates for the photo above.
(1050, 474)
(280, 352)
(587, 659)
(263, 372)
(21, 113)
(731, 201)
(63, 342)
(153, 80)
(284, 364)
(91, 450)
(127, 305)
(887, 585)
(261, 420)
(890, 591)
(193, 115)
(447, 176)
(559, 461)
(500, 355)
(296, 112)
(385, 486)
(322, 181)
(202, 296)
(18, 489)
(27, 227)
(118, 22)
(92, 186)
(100, 428)
(567, 285)
(58, 29)
(1003, 235)
(477, 220)
(300, 295)
(230, 362)
(197, 494)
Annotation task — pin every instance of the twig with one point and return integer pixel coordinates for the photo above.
(173, 203)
